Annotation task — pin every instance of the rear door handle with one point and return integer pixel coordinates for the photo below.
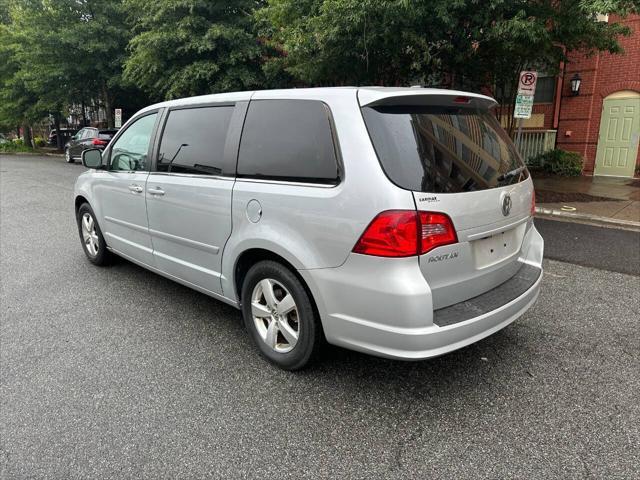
(156, 191)
(136, 188)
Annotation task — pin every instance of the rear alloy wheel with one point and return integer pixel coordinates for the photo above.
(275, 315)
(280, 316)
(67, 156)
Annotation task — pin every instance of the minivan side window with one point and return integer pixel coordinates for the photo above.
(193, 140)
(130, 151)
(288, 140)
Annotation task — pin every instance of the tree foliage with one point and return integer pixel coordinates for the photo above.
(477, 45)
(58, 53)
(329, 42)
(191, 47)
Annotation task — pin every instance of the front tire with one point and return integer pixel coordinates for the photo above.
(280, 316)
(67, 156)
(93, 243)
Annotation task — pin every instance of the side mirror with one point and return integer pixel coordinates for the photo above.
(92, 158)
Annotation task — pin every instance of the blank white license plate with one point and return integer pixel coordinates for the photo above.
(498, 247)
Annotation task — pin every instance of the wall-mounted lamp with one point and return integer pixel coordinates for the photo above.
(576, 80)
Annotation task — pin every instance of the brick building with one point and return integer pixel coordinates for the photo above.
(601, 122)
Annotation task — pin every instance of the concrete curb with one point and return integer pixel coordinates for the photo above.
(586, 218)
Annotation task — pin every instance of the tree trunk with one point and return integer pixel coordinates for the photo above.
(107, 106)
(56, 120)
(26, 135)
(84, 114)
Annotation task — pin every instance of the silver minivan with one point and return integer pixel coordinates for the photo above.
(392, 221)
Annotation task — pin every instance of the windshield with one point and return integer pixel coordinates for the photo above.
(443, 149)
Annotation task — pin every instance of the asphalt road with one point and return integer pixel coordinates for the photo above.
(119, 373)
(603, 248)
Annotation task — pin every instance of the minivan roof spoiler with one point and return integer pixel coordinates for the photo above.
(373, 96)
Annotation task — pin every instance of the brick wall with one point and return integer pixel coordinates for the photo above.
(602, 75)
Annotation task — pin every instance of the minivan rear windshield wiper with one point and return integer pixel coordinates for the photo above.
(511, 173)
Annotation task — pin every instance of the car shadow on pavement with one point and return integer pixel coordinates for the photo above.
(474, 369)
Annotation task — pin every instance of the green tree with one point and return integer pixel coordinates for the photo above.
(473, 44)
(17, 101)
(340, 42)
(192, 47)
(62, 52)
(487, 46)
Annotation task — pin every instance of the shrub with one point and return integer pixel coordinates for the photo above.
(39, 142)
(18, 141)
(560, 162)
(11, 147)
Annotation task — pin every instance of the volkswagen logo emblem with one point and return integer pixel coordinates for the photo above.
(506, 205)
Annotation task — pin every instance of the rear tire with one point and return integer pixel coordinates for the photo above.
(93, 243)
(280, 316)
(67, 156)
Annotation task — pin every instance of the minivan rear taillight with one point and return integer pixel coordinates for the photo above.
(533, 203)
(404, 233)
(437, 230)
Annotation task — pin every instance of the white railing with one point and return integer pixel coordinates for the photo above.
(535, 142)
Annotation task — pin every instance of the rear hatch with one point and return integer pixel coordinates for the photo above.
(104, 137)
(107, 134)
(450, 151)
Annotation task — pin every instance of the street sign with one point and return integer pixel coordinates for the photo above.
(524, 106)
(118, 122)
(527, 82)
(524, 101)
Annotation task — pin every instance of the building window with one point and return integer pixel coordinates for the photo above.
(545, 90)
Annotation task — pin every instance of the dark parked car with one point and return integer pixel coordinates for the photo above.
(86, 138)
(66, 134)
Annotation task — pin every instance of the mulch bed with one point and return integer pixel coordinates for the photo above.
(548, 196)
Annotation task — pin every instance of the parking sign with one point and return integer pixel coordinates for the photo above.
(524, 106)
(527, 82)
(118, 116)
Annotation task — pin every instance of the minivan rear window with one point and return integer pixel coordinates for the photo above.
(443, 149)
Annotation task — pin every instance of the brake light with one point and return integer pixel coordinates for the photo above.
(461, 100)
(533, 203)
(99, 141)
(404, 233)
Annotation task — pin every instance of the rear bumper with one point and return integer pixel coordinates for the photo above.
(384, 308)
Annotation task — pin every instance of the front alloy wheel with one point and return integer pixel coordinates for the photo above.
(89, 235)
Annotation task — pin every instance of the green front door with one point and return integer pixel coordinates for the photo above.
(618, 140)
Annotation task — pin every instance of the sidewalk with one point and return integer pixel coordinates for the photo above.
(605, 201)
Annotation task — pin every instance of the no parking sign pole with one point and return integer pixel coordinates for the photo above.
(524, 100)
